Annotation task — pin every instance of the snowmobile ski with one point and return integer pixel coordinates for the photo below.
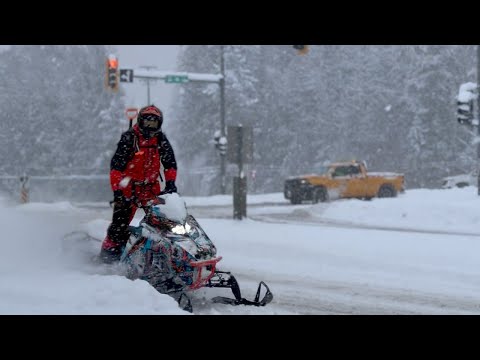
(223, 279)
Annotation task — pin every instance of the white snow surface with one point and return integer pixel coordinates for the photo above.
(422, 258)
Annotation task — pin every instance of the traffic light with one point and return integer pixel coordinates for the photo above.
(467, 94)
(465, 112)
(302, 49)
(112, 75)
(220, 142)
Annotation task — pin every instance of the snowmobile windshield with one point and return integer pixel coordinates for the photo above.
(172, 226)
(172, 209)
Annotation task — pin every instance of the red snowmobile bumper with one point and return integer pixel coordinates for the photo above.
(203, 271)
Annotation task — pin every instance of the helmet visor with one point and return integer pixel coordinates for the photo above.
(150, 124)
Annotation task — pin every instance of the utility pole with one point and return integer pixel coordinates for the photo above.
(148, 82)
(223, 164)
(478, 119)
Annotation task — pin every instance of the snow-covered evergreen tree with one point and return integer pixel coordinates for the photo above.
(58, 118)
(393, 106)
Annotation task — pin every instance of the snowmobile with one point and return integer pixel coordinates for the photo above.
(170, 250)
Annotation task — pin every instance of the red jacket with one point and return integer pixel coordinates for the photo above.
(135, 166)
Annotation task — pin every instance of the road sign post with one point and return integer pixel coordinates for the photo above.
(239, 197)
(240, 151)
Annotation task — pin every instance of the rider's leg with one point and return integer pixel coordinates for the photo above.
(118, 232)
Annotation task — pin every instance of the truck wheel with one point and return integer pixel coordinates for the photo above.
(295, 199)
(386, 191)
(320, 195)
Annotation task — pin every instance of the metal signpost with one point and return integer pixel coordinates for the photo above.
(240, 152)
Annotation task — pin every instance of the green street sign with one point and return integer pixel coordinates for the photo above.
(176, 79)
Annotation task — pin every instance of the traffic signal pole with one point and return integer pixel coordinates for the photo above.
(223, 160)
(478, 120)
(468, 115)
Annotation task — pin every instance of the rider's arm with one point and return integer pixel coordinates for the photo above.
(123, 154)
(167, 157)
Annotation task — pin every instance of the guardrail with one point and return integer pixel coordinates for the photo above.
(24, 182)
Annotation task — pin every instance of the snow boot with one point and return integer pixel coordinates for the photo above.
(110, 251)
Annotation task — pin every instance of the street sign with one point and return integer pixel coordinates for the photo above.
(126, 75)
(176, 79)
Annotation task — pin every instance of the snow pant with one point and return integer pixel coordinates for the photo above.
(123, 213)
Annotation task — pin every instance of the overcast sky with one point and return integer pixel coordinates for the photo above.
(163, 57)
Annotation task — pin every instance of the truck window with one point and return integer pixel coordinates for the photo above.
(322, 170)
(340, 171)
(354, 170)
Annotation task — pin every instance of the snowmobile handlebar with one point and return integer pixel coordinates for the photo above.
(146, 205)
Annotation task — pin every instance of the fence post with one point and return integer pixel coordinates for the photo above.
(24, 189)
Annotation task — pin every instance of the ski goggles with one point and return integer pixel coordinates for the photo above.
(151, 122)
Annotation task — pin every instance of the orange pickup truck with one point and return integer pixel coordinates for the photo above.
(343, 180)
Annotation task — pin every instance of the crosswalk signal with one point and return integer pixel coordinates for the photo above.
(112, 75)
(467, 94)
(465, 112)
(302, 49)
(222, 148)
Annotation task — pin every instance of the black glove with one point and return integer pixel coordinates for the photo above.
(169, 187)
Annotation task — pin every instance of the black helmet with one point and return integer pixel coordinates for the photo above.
(150, 120)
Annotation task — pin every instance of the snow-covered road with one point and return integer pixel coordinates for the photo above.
(425, 260)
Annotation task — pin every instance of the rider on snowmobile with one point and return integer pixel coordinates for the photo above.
(134, 176)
